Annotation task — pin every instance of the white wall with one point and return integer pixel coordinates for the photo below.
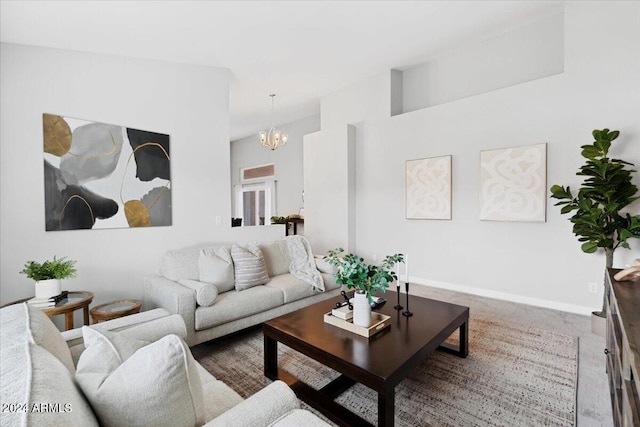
(539, 263)
(187, 102)
(526, 53)
(329, 186)
(247, 152)
(368, 99)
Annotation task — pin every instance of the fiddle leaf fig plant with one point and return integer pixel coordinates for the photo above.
(365, 278)
(598, 220)
(58, 268)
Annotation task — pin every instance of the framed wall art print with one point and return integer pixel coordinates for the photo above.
(513, 184)
(428, 188)
(98, 175)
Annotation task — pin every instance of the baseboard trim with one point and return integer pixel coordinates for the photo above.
(505, 296)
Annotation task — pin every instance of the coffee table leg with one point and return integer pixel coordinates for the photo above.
(464, 339)
(270, 358)
(386, 407)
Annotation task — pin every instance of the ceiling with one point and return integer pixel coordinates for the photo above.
(300, 50)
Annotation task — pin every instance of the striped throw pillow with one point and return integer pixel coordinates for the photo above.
(249, 267)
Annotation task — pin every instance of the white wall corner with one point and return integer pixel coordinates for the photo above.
(395, 92)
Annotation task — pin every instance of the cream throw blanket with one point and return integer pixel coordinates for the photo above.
(303, 265)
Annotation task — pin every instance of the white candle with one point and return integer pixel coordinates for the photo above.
(406, 268)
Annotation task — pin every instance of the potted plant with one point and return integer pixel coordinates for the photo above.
(598, 220)
(47, 275)
(278, 220)
(365, 278)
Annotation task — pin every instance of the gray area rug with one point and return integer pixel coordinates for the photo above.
(515, 375)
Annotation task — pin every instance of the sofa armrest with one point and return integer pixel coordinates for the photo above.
(74, 336)
(262, 409)
(160, 292)
(146, 326)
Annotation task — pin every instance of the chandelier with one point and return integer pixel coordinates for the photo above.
(273, 138)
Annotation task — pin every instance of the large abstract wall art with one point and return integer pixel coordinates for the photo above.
(104, 176)
(513, 184)
(428, 188)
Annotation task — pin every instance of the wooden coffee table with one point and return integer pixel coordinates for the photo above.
(379, 362)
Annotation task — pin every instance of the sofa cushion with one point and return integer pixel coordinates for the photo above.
(28, 373)
(276, 257)
(21, 321)
(54, 398)
(329, 281)
(14, 362)
(206, 293)
(235, 305)
(181, 264)
(216, 267)
(323, 266)
(292, 288)
(130, 383)
(249, 266)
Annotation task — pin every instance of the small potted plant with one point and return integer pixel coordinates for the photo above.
(47, 275)
(365, 278)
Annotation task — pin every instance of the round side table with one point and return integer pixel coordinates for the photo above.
(75, 300)
(115, 309)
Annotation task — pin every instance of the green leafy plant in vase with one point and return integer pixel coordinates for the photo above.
(598, 220)
(365, 279)
(48, 274)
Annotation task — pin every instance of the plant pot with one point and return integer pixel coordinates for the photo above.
(361, 310)
(598, 324)
(48, 288)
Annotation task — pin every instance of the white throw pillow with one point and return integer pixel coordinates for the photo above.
(36, 327)
(206, 293)
(129, 383)
(324, 267)
(248, 266)
(216, 267)
(52, 397)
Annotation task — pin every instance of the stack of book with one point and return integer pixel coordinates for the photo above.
(343, 313)
(47, 302)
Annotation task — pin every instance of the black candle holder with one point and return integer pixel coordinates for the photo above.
(398, 306)
(407, 313)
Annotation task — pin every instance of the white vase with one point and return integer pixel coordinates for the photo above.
(361, 310)
(48, 288)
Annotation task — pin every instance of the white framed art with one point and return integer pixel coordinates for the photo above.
(428, 188)
(513, 184)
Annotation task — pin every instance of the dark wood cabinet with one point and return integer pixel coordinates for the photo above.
(623, 346)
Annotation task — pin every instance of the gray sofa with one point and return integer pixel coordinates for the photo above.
(41, 373)
(232, 310)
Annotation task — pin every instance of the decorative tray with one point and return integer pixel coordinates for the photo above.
(379, 322)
